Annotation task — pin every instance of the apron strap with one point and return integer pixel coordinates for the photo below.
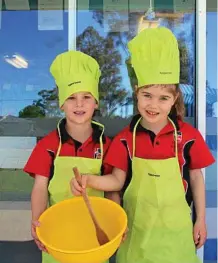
(174, 137)
(101, 140)
(59, 134)
(134, 136)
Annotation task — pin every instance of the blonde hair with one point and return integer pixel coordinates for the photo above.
(178, 108)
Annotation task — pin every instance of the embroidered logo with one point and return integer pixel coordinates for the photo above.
(97, 153)
(76, 82)
(165, 73)
(154, 175)
(179, 137)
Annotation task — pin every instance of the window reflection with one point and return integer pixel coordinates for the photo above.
(26, 51)
(28, 91)
(183, 26)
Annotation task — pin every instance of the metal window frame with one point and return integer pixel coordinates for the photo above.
(201, 63)
(72, 24)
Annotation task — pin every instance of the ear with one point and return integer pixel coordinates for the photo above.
(136, 88)
(96, 105)
(62, 108)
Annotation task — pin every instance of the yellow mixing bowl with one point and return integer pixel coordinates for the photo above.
(67, 230)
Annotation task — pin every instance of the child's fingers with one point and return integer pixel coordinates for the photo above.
(36, 223)
(75, 186)
(33, 229)
(125, 234)
(84, 181)
(76, 193)
(40, 245)
(35, 237)
(201, 240)
(196, 236)
(76, 189)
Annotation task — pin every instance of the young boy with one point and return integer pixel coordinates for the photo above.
(77, 141)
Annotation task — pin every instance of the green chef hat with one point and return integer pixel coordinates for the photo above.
(73, 72)
(155, 57)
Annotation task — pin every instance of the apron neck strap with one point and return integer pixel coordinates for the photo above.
(100, 139)
(59, 134)
(174, 137)
(134, 136)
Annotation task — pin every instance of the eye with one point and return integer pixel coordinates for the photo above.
(87, 97)
(147, 95)
(164, 98)
(71, 98)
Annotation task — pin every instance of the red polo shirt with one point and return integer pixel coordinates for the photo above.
(193, 152)
(41, 161)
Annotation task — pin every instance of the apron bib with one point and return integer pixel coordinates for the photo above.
(159, 217)
(59, 186)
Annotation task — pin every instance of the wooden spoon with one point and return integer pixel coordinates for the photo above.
(101, 235)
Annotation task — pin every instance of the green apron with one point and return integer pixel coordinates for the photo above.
(59, 186)
(159, 217)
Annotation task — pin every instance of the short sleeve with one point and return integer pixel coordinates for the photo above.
(200, 155)
(117, 155)
(40, 161)
(106, 168)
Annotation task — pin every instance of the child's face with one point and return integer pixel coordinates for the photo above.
(79, 107)
(155, 103)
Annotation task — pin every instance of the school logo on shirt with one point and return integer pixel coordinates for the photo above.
(179, 137)
(97, 153)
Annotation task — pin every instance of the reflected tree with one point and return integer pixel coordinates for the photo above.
(103, 49)
(112, 95)
(46, 105)
(32, 111)
(121, 39)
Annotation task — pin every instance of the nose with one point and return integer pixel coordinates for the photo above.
(153, 102)
(79, 102)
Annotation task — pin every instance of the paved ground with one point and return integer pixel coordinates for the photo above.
(19, 252)
(26, 252)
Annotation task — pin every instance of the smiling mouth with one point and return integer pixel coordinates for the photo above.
(79, 113)
(152, 113)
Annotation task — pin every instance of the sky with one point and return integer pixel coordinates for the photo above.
(39, 37)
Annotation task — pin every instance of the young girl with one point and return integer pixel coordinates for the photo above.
(77, 141)
(157, 161)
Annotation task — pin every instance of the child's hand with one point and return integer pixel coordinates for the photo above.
(78, 186)
(199, 233)
(34, 235)
(125, 235)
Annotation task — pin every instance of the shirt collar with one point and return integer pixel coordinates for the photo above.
(65, 137)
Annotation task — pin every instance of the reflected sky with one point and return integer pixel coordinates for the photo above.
(19, 34)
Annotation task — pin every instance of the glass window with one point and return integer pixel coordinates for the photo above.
(104, 30)
(32, 33)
